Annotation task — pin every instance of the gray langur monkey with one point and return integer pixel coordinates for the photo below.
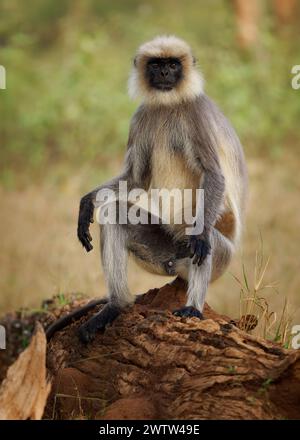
(178, 138)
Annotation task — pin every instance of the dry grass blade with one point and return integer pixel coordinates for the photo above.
(255, 308)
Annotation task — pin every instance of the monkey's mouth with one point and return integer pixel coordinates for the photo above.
(164, 87)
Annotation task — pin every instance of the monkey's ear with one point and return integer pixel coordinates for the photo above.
(135, 61)
(194, 61)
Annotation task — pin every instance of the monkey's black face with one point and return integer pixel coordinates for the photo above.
(164, 73)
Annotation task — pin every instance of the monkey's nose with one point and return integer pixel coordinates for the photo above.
(164, 73)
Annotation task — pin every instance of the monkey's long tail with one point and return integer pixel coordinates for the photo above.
(66, 320)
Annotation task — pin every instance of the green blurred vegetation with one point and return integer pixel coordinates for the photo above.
(67, 64)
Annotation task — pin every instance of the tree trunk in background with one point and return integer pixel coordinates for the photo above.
(248, 14)
(247, 19)
(285, 10)
(150, 364)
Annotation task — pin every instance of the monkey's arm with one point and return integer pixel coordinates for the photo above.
(87, 203)
(139, 179)
(87, 206)
(213, 186)
(205, 145)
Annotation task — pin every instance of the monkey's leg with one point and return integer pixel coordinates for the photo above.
(113, 240)
(199, 277)
(153, 247)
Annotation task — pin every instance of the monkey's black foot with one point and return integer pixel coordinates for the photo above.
(88, 330)
(188, 312)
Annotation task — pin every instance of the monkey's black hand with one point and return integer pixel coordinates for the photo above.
(199, 248)
(85, 218)
(188, 312)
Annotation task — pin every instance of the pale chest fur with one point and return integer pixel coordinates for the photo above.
(169, 169)
(169, 166)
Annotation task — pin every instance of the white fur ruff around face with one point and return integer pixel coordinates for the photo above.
(190, 86)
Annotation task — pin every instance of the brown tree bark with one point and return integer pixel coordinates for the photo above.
(150, 364)
(285, 10)
(247, 15)
(24, 392)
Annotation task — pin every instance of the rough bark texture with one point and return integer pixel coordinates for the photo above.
(152, 365)
(24, 392)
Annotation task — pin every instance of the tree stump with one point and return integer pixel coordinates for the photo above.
(150, 364)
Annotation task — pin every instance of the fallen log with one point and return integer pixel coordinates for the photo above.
(150, 364)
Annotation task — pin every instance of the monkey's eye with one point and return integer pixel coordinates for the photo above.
(154, 65)
(173, 66)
